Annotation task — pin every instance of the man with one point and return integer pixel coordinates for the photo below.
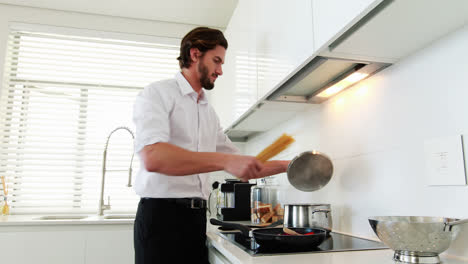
(179, 140)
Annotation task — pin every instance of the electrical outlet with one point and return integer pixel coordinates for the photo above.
(445, 163)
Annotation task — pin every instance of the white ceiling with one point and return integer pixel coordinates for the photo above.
(214, 13)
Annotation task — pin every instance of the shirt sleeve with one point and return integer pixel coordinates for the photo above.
(223, 143)
(151, 117)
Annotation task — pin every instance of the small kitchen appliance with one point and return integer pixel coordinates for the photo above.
(233, 202)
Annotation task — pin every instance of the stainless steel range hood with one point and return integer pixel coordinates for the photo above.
(323, 73)
(300, 92)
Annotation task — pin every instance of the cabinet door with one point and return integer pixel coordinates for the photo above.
(215, 257)
(284, 39)
(236, 90)
(110, 246)
(51, 247)
(331, 16)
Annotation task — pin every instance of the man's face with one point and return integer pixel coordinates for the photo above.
(210, 66)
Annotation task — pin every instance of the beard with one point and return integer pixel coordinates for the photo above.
(204, 78)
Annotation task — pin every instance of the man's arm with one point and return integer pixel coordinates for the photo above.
(172, 160)
(274, 167)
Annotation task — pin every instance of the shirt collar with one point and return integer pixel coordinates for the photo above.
(186, 88)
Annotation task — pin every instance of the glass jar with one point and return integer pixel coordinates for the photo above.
(265, 202)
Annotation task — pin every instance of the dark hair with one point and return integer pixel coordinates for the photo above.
(202, 38)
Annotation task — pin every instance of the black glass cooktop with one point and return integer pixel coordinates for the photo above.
(335, 242)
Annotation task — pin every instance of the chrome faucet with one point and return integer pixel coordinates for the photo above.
(107, 206)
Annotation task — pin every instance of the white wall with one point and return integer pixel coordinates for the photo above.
(375, 132)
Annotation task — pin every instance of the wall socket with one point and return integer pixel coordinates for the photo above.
(445, 161)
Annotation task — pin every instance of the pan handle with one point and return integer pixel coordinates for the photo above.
(244, 229)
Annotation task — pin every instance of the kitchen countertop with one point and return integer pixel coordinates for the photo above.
(237, 255)
(33, 220)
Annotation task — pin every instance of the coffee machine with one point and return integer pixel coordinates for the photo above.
(234, 201)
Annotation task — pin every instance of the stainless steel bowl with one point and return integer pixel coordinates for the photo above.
(416, 239)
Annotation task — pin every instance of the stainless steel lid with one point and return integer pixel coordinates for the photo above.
(310, 171)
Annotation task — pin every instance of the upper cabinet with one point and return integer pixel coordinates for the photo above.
(268, 39)
(303, 52)
(332, 16)
(284, 40)
(236, 90)
(395, 29)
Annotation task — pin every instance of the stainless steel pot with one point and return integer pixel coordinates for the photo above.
(310, 171)
(416, 239)
(308, 215)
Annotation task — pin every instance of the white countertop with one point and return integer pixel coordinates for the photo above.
(34, 220)
(381, 256)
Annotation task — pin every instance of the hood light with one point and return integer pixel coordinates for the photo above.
(344, 83)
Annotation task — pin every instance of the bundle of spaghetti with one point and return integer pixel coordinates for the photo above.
(275, 148)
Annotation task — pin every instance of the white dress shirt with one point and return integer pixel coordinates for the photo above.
(168, 111)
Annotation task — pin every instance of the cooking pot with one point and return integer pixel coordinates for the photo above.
(416, 239)
(310, 171)
(275, 237)
(308, 215)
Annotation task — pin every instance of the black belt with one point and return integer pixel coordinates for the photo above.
(193, 203)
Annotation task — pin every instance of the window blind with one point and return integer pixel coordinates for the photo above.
(60, 98)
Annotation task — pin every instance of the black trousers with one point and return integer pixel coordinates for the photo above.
(168, 232)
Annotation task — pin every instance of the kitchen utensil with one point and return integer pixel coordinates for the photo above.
(308, 215)
(5, 190)
(272, 237)
(310, 171)
(5, 210)
(264, 225)
(291, 232)
(277, 223)
(416, 239)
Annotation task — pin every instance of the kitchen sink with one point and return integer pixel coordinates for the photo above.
(61, 217)
(118, 217)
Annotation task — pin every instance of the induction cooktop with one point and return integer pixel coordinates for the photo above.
(335, 242)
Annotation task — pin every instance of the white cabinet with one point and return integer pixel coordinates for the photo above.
(267, 40)
(331, 16)
(74, 244)
(236, 90)
(284, 40)
(98, 249)
(215, 257)
(51, 247)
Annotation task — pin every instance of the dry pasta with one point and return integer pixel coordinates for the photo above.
(275, 148)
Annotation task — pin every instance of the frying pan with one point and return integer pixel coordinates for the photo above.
(274, 237)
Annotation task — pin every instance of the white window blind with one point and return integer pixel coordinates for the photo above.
(60, 98)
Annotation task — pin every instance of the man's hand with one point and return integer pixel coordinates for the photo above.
(243, 167)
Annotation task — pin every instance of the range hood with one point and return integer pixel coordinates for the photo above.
(303, 90)
(389, 32)
(321, 75)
